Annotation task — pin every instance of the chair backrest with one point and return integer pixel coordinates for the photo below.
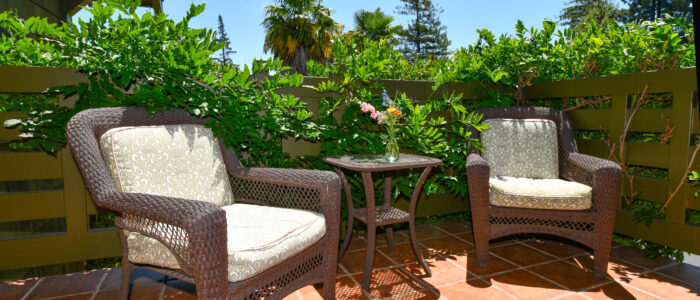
(86, 129)
(181, 161)
(521, 148)
(565, 142)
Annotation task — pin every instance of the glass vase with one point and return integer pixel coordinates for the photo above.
(392, 146)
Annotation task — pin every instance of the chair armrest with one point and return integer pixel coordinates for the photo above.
(602, 175)
(478, 180)
(312, 190)
(194, 231)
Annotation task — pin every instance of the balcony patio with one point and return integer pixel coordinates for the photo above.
(525, 267)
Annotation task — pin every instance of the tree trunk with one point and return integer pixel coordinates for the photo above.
(298, 63)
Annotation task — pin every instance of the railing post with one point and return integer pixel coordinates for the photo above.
(618, 116)
(682, 119)
(73, 195)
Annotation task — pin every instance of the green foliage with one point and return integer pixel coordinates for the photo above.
(548, 54)
(694, 217)
(578, 13)
(177, 72)
(374, 25)
(226, 50)
(425, 36)
(365, 60)
(653, 9)
(646, 211)
(299, 30)
(694, 180)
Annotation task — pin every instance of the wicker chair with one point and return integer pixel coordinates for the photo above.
(574, 195)
(196, 236)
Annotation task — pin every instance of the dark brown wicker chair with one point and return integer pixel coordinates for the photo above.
(591, 227)
(195, 231)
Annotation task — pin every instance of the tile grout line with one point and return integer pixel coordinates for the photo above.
(673, 277)
(163, 286)
(641, 290)
(526, 268)
(531, 272)
(499, 289)
(99, 284)
(475, 276)
(611, 280)
(29, 292)
(345, 271)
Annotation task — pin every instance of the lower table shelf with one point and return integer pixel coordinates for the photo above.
(384, 215)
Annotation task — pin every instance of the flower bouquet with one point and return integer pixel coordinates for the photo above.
(391, 118)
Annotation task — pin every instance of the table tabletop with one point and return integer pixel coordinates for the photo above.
(377, 162)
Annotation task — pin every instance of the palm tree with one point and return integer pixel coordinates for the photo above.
(375, 25)
(299, 30)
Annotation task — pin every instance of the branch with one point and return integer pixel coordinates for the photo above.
(683, 179)
(585, 103)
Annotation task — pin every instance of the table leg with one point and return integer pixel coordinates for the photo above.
(387, 203)
(348, 231)
(371, 229)
(412, 221)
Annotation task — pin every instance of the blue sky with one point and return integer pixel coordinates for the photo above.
(462, 17)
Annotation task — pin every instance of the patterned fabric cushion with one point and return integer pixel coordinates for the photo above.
(259, 237)
(521, 148)
(182, 161)
(539, 193)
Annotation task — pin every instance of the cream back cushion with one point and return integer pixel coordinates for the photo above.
(182, 161)
(521, 148)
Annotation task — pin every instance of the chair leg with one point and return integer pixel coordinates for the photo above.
(329, 283)
(329, 289)
(127, 267)
(481, 241)
(601, 256)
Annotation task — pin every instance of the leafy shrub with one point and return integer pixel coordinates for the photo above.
(165, 64)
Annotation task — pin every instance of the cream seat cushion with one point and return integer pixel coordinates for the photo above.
(258, 237)
(539, 193)
(182, 161)
(521, 148)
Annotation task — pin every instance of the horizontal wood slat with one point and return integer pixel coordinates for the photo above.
(631, 84)
(593, 147)
(648, 155)
(34, 80)
(651, 189)
(31, 206)
(48, 250)
(651, 120)
(590, 119)
(29, 166)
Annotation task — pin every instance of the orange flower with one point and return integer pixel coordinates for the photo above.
(397, 112)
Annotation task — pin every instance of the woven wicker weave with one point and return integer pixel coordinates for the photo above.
(195, 231)
(592, 227)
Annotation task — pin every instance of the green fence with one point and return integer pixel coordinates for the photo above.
(45, 211)
(675, 230)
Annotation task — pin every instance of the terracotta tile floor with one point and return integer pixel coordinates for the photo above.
(526, 267)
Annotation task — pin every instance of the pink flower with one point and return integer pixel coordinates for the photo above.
(374, 114)
(364, 106)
